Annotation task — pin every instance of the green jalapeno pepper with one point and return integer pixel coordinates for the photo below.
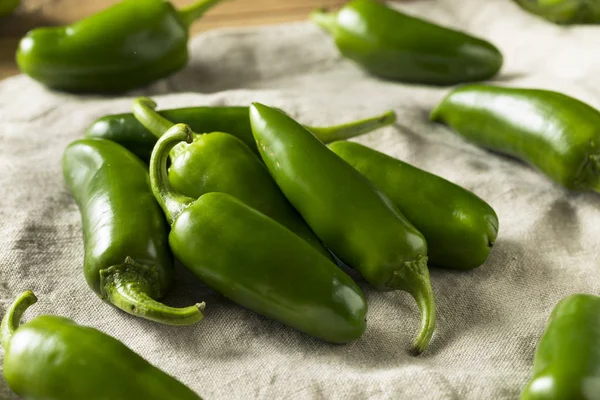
(127, 131)
(557, 134)
(53, 358)
(219, 162)
(253, 260)
(567, 359)
(564, 11)
(460, 230)
(8, 6)
(128, 45)
(346, 211)
(396, 46)
(127, 259)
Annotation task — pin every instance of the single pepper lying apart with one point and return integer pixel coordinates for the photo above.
(346, 211)
(253, 260)
(121, 223)
(567, 359)
(8, 6)
(53, 358)
(551, 131)
(219, 162)
(564, 11)
(127, 131)
(460, 228)
(128, 45)
(396, 46)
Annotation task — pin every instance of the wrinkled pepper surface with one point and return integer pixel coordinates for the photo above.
(128, 45)
(219, 162)
(555, 133)
(127, 131)
(53, 358)
(460, 228)
(127, 260)
(564, 11)
(567, 358)
(347, 212)
(396, 46)
(253, 260)
(8, 6)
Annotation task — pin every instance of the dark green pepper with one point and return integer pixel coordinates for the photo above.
(219, 162)
(128, 45)
(396, 46)
(348, 213)
(564, 11)
(8, 6)
(459, 227)
(567, 359)
(127, 131)
(253, 260)
(556, 133)
(121, 223)
(53, 358)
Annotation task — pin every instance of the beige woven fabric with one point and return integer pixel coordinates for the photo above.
(489, 319)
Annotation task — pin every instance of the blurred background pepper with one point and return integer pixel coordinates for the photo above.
(8, 6)
(35, 13)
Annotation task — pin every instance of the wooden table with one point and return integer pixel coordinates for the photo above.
(33, 13)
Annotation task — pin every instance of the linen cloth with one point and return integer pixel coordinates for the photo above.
(489, 319)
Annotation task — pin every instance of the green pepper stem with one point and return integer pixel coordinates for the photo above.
(12, 318)
(414, 279)
(349, 130)
(130, 286)
(195, 10)
(171, 202)
(144, 110)
(326, 20)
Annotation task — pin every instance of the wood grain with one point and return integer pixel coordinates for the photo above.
(34, 13)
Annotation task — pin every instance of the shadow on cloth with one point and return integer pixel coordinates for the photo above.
(207, 77)
(466, 302)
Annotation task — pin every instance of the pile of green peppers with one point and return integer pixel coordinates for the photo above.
(265, 210)
(239, 211)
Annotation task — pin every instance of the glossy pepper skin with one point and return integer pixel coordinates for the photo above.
(127, 260)
(348, 213)
(219, 162)
(127, 131)
(395, 46)
(53, 358)
(564, 11)
(460, 228)
(254, 261)
(567, 359)
(555, 133)
(128, 45)
(8, 6)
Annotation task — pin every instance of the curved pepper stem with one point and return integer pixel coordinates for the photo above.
(127, 286)
(331, 134)
(12, 318)
(171, 202)
(326, 20)
(194, 11)
(144, 110)
(414, 279)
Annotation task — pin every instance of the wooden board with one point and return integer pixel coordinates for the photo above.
(33, 13)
